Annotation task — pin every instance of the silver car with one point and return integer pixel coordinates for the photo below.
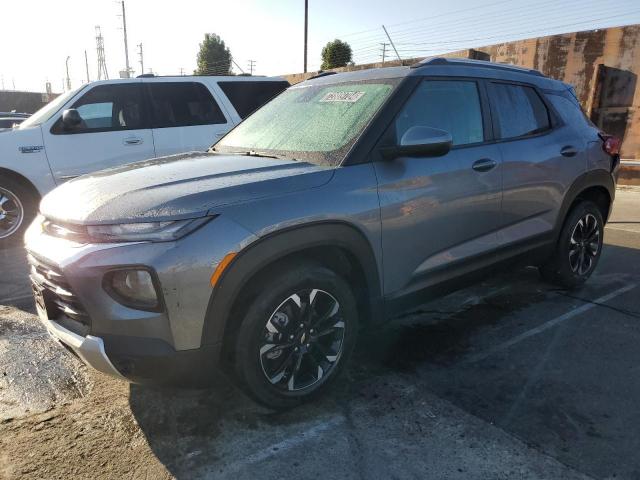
(345, 200)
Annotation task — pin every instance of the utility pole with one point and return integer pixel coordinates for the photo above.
(102, 61)
(141, 54)
(306, 29)
(252, 63)
(384, 51)
(181, 72)
(126, 46)
(66, 63)
(391, 42)
(86, 64)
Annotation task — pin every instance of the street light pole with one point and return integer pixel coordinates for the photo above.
(306, 24)
(66, 63)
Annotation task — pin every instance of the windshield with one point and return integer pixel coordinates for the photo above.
(316, 123)
(48, 110)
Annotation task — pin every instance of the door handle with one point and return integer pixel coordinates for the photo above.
(132, 141)
(569, 151)
(483, 165)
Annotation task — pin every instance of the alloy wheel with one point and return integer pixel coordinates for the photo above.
(302, 341)
(584, 244)
(11, 213)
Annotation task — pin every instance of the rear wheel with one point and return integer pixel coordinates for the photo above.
(578, 249)
(17, 208)
(296, 336)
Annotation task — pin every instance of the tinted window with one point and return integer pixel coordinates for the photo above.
(108, 107)
(247, 96)
(183, 104)
(519, 109)
(453, 106)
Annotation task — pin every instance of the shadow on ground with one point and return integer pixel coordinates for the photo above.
(569, 392)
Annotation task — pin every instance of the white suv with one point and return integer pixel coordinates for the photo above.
(111, 122)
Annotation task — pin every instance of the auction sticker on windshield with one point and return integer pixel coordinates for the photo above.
(350, 97)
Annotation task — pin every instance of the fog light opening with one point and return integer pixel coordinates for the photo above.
(133, 287)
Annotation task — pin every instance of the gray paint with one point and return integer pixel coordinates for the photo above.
(419, 215)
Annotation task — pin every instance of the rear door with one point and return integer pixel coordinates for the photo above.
(542, 156)
(185, 117)
(442, 211)
(114, 130)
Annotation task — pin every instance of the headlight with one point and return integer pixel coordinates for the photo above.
(148, 231)
(133, 287)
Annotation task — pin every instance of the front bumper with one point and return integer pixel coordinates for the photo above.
(161, 347)
(90, 349)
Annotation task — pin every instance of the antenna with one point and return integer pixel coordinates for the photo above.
(102, 62)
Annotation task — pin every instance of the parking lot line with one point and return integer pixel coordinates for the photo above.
(547, 325)
(284, 445)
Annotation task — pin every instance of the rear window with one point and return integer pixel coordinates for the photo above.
(519, 109)
(246, 97)
(183, 104)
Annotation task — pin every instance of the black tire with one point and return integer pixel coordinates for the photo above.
(575, 258)
(256, 359)
(15, 197)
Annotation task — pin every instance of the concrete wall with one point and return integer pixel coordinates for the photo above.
(573, 58)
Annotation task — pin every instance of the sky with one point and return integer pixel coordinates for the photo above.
(36, 36)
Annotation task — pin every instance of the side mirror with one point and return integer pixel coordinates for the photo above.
(71, 119)
(420, 141)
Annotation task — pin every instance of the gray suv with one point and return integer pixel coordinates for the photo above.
(347, 199)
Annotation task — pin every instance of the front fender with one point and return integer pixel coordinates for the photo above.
(276, 246)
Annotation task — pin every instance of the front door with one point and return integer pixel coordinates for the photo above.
(442, 211)
(114, 131)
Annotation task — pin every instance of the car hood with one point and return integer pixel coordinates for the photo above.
(180, 186)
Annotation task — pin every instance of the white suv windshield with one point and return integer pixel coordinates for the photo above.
(317, 123)
(48, 110)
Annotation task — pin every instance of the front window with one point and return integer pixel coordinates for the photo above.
(46, 112)
(315, 123)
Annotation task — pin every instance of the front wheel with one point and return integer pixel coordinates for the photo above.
(578, 249)
(17, 207)
(297, 335)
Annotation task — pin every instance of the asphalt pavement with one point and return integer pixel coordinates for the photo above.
(512, 378)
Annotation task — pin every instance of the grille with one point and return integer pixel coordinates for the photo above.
(60, 302)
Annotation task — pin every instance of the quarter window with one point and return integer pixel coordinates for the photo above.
(183, 104)
(519, 110)
(453, 106)
(248, 96)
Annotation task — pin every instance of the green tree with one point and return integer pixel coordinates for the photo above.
(335, 54)
(214, 58)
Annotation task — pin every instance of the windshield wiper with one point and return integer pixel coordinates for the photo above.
(253, 153)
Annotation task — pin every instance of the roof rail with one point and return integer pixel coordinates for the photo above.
(466, 62)
(321, 74)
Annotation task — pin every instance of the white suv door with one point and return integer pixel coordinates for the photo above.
(185, 116)
(114, 131)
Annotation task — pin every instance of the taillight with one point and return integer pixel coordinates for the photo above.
(611, 144)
